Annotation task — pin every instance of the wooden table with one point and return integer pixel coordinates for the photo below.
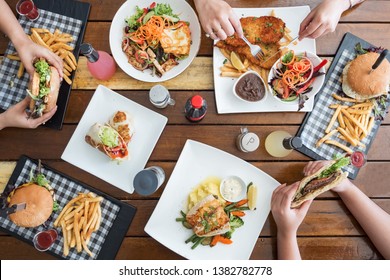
(328, 232)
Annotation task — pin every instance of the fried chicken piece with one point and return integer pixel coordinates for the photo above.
(265, 29)
(268, 49)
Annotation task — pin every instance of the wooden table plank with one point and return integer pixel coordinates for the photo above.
(79, 101)
(370, 175)
(315, 248)
(193, 78)
(49, 144)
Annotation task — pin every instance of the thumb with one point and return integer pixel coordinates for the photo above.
(305, 206)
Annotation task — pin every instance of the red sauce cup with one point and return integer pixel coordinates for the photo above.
(44, 239)
(28, 9)
(358, 159)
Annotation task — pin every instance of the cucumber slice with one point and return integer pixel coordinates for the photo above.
(147, 17)
(171, 18)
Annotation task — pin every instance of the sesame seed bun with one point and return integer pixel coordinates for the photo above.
(359, 83)
(39, 205)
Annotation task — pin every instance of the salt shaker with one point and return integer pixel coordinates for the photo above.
(247, 141)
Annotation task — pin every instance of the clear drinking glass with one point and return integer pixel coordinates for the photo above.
(148, 181)
(159, 96)
(44, 239)
(28, 9)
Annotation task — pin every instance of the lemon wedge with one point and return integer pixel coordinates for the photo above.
(252, 197)
(236, 61)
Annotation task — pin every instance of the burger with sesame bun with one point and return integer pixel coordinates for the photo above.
(359, 82)
(40, 202)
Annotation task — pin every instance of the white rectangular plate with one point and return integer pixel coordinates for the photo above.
(226, 101)
(198, 161)
(148, 126)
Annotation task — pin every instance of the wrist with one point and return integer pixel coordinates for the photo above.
(347, 186)
(286, 234)
(19, 40)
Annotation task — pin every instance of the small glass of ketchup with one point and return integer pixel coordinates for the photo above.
(44, 239)
(358, 159)
(28, 9)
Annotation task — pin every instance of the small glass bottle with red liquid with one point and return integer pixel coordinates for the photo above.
(195, 108)
(358, 159)
(44, 239)
(100, 64)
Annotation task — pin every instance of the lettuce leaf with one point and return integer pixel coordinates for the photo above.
(109, 137)
(132, 21)
(340, 163)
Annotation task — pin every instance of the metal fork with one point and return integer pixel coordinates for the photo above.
(256, 50)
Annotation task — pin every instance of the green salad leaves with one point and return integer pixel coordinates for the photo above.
(109, 137)
(340, 163)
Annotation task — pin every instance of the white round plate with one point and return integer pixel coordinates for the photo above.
(317, 84)
(185, 12)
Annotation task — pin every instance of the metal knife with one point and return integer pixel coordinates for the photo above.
(292, 41)
(378, 62)
(14, 208)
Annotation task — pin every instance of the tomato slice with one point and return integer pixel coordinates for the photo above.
(141, 56)
(119, 151)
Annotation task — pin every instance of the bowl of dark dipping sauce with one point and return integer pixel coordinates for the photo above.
(250, 87)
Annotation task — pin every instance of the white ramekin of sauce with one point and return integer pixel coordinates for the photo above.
(233, 189)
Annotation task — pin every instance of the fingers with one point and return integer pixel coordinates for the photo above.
(322, 29)
(227, 28)
(224, 27)
(308, 26)
(303, 27)
(282, 196)
(288, 194)
(55, 61)
(42, 120)
(219, 31)
(313, 166)
(304, 207)
(235, 22)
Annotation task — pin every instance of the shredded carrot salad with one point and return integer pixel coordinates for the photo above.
(151, 31)
(296, 72)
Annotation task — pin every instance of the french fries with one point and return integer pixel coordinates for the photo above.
(353, 124)
(57, 42)
(78, 220)
(228, 70)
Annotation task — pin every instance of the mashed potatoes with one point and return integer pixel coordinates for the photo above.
(208, 186)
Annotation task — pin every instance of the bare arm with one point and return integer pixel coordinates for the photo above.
(27, 50)
(287, 220)
(373, 219)
(16, 116)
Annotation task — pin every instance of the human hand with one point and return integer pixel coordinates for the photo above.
(322, 19)
(28, 51)
(16, 116)
(313, 166)
(218, 19)
(287, 219)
